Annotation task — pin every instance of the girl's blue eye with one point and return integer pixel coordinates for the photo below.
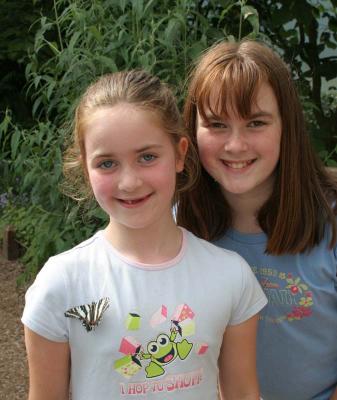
(148, 157)
(106, 164)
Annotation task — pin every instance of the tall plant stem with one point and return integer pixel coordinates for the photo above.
(58, 26)
(242, 3)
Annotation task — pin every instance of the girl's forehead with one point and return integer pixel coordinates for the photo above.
(120, 110)
(117, 108)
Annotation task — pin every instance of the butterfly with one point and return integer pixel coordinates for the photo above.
(89, 314)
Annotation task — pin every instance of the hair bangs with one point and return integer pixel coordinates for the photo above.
(229, 90)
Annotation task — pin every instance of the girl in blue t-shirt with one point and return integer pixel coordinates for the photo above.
(265, 194)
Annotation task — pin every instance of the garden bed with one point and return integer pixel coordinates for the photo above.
(13, 364)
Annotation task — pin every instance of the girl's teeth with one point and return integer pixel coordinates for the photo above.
(135, 200)
(238, 165)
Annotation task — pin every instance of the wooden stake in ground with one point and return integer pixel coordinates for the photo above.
(10, 249)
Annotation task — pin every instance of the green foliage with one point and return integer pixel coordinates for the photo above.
(33, 160)
(95, 37)
(75, 42)
(16, 39)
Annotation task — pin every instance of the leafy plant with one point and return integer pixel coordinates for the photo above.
(16, 39)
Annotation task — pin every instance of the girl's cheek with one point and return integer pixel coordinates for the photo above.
(100, 181)
(207, 148)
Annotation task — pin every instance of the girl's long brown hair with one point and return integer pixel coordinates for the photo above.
(303, 201)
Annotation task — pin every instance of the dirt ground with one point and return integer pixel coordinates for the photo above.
(13, 365)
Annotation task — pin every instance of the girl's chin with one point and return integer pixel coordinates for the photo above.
(236, 188)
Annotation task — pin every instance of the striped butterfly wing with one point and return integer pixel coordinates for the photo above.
(89, 314)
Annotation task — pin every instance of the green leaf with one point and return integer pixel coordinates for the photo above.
(122, 4)
(108, 63)
(15, 142)
(148, 6)
(54, 47)
(172, 30)
(5, 123)
(73, 41)
(195, 50)
(251, 15)
(36, 104)
(50, 89)
(96, 33)
(138, 7)
(36, 81)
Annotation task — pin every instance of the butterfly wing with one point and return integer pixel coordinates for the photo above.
(81, 313)
(96, 311)
(89, 314)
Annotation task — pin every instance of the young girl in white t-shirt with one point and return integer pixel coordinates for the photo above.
(143, 308)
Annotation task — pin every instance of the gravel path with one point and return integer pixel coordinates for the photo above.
(13, 365)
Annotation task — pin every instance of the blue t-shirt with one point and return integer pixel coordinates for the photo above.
(297, 337)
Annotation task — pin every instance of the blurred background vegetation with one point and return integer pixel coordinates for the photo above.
(51, 49)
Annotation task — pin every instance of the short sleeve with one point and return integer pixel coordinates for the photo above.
(249, 298)
(45, 304)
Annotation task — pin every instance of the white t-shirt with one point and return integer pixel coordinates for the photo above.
(161, 335)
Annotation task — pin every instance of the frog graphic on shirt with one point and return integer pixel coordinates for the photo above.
(156, 354)
(163, 351)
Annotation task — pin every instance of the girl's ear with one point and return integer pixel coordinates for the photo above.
(182, 148)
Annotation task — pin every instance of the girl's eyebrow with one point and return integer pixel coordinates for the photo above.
(149, 147)
(140, 150)
(261, 114)
(100, 155)
(210, 116)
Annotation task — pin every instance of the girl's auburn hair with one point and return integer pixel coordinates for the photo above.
(304, 199)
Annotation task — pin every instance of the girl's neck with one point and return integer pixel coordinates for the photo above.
(244, 212)
(153, 245)
(245, 206)
(246, 223)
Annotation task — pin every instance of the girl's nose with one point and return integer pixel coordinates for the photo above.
(129, 180)
(236, 141)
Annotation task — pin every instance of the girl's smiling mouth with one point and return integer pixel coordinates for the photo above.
(134, 202)
(238, 164)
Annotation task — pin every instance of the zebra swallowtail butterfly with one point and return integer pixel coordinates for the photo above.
(89, 314)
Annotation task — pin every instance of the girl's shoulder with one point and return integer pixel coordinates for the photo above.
(203, 245)
(80, 251)
(64, 271)
(72, 262)
(215, 256)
